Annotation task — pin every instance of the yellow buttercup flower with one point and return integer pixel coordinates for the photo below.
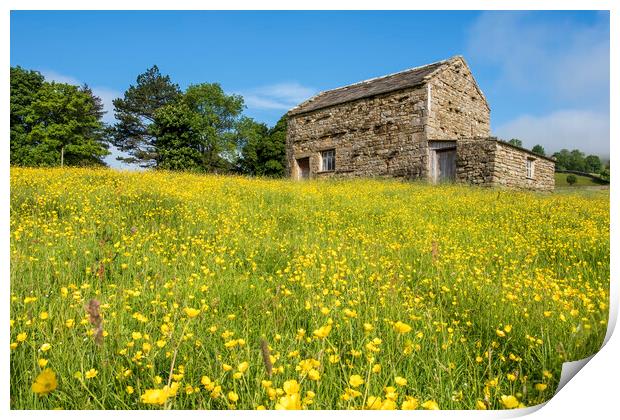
(291, 387)
(509, 401)
(207, 383)
(322, 332)
(350, 313)
(191, 312)
(388, 404)
(401, 327)
(540, 387)
(430, 405)
(289, 402)
(91, 373)
(373, 403)
(314, 374)
(356, 380)
(410, 403)
(243, 366)
(400, 381)
(155, 396)
(45, 382)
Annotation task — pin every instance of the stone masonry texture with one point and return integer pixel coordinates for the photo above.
(387, 134)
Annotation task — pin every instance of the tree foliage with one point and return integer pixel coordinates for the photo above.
(264, 150)
(54, 122)
(516, 142)
(576, 160)
(593, 164)
(135, 113)
(539, 150)
(198, 130)
(201, 129)
(570, 160)
(24, 85)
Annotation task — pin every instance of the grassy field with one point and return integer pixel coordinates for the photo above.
(582, 181)
(163, 290)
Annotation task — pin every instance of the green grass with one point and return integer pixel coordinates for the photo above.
(499, 288)
(582, 181)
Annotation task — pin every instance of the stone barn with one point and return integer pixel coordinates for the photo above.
(430, 122)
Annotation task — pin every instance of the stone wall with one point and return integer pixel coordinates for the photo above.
(489, 162)
(458, 109)
(510, 169)
(376, 136)
(475, 161)
(389, 134)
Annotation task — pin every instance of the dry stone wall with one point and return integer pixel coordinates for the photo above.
(475, 161)
(377, 136)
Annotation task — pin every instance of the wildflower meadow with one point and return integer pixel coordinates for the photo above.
(160, 290)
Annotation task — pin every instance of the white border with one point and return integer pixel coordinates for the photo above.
(592, 394)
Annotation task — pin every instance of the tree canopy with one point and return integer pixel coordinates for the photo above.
(135, 115)
(263, 150)
(54, 123)
(576, 160)
(516, 142)
(198, 131)
(539, 150)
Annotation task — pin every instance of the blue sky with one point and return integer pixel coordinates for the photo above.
(545, 74)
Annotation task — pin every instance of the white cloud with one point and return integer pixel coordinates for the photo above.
(280, 96)
(585, 130)
(107, 95)
(563, 59)
(52, 76)
(557, 69)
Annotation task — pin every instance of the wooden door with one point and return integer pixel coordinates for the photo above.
(445, 165)
(303, 168)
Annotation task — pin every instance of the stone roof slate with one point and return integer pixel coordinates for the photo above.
(384, 84)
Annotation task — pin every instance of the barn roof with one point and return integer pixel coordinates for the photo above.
(371, 87)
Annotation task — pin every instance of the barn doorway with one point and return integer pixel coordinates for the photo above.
(446, 165)
(303, 168)
(442, 161)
